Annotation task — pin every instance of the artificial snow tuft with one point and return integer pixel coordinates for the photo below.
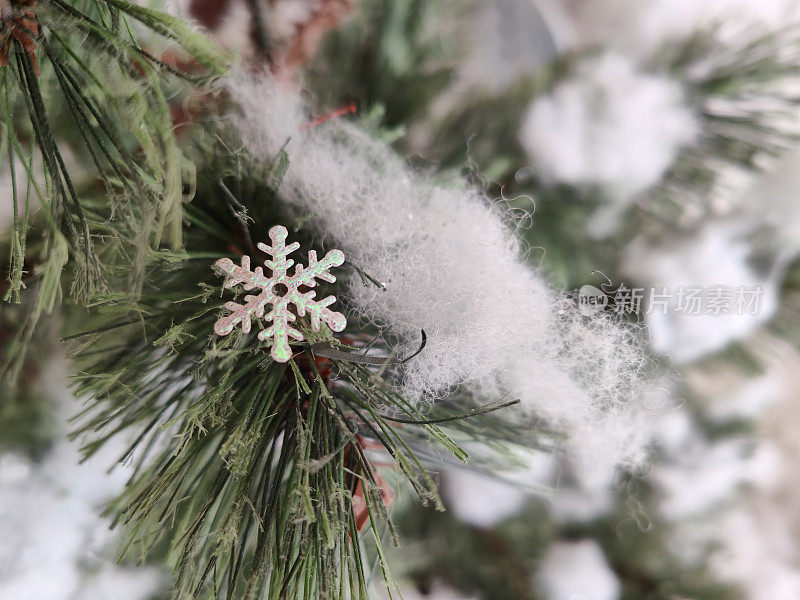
(609, 125)
(484, 500)
(577, 571)
(642, 27)
(717, 256)
(54, 545)
(451, 265)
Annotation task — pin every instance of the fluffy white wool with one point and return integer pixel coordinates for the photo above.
(752, 544)
(451, 266)
(641, 26)
(763, 223)
(706, 475)
(716, 256)
(484, 501)
(609, 125)
(755, 542)
(54, 544)
(772, 203)
(578, 505)
(743, 398)
(733, 503)
(577, 571)
(481, 500)
(674, 431)
(758, 552)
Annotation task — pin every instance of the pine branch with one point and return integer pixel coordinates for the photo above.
(260, 476)
(110, 89)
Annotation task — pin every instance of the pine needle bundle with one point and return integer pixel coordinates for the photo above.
(265, 478)
(76, 83)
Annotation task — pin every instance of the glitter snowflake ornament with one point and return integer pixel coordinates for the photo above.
(281, 291)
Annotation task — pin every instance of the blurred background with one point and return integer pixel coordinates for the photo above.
(653, 148)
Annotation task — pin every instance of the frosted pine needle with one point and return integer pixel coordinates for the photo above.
(281, 291)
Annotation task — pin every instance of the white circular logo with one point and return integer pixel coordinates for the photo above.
(591, 300)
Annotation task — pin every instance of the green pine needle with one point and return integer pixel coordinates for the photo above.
(261, 477)
(91, 86)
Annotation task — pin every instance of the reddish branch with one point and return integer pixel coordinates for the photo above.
(20, 26)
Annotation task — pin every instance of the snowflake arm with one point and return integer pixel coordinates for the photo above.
(281, 291)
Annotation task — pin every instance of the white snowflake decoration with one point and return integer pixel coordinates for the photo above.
(280, 290)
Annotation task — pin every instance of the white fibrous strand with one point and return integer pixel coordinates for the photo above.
(450, 263)
(280, 300)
